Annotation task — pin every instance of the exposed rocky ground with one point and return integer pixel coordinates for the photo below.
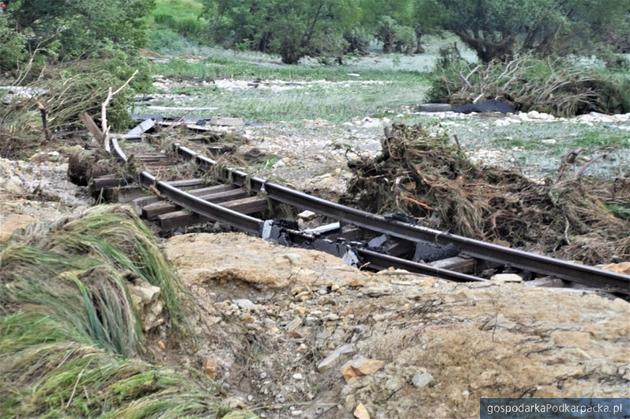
(36, 191)
(296, 333)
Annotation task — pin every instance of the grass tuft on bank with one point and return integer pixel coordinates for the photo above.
(71, 337)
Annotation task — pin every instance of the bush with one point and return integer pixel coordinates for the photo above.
(82, 27)
(358, 41)
(546, 85)
(12, 47)
(406, 41)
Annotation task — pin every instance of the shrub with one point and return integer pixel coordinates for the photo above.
(12, 47)
(547, 85)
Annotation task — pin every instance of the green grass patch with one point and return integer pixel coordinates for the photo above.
(235, 65)
(599, 139)
(71, 340)
(176, 25)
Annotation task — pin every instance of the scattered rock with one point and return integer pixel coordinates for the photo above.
(145, 298)
(361, 412)
(43, 156)
(13, 185)
(279, 163)
(12, 223)
(421, 379)
(294, 325)
(622, 268)
(211, 367)
(227, 122)
(360, 367)
(307, 215)
(334, 356)
(298, 376)
(245, 304)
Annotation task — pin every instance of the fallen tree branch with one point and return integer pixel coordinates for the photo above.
(110, 96)
(44, 115)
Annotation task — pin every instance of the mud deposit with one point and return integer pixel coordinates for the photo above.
(296, 333)
(36, 191)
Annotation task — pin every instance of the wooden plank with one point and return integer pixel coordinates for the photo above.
(151, 211)
(211, 189)
(92, 127)
(143, 127)
(187, 183)
(151, 158)
(124, 194)
(139, 203)
(250, 205)
(175, 219)
(108, 181)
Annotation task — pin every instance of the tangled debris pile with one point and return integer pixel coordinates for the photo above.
(423, 175)
(529, 83)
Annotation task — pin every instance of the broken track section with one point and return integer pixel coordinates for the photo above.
(359, 237)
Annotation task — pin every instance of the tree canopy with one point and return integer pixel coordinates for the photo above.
(292, 29)
(493, 28)
(500, 28)
(80, 27)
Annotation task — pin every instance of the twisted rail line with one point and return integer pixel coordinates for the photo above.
(390, 242)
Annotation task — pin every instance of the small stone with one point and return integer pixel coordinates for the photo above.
(298, 376)
(13, 186)
(227, 122)
(307, 215)
(421, 379)
(361, 412)
(245, 304)
(211, 367)
(311, 320)
(296, 413)
(334, 356)
(504, 278)
(359, 367)
(294, 324)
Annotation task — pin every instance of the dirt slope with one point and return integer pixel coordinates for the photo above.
(271, 315)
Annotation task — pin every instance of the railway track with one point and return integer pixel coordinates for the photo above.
(251, 204)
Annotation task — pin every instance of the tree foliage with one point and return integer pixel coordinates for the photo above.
(493, 28)
(77, 28)
(292, 29)
(500, 28)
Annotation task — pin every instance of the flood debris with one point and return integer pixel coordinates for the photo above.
(426, 176)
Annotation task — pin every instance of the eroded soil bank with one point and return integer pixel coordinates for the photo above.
(279, 327)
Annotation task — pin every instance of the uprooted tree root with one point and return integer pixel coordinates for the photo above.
(422, 175)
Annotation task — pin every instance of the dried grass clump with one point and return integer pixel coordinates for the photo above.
(424, 176)
(546, 85)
